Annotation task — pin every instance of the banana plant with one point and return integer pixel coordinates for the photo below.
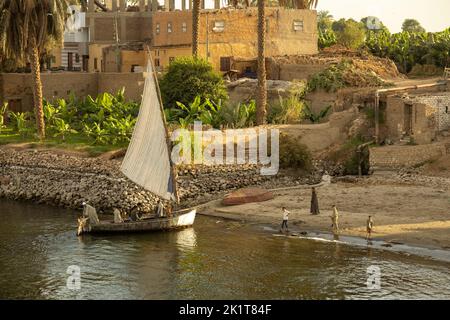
(21, 123)
(62, 129)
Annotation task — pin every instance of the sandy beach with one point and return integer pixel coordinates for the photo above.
(414, 212)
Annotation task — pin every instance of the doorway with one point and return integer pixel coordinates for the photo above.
(70, 61)
(408, 119)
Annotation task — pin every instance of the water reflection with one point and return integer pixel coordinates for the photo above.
(211, 261)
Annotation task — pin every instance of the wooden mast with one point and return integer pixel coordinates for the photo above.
(168, 141)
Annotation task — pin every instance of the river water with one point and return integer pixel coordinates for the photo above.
(216, 259)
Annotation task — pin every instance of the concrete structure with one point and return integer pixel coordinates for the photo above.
(117, 29)
(74, 54)
(228, 37)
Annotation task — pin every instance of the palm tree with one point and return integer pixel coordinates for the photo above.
(195, 26)
(298, 4)
(26, 27)
(261, 100)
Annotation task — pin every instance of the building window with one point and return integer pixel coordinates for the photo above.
(157, 53)
(95, 63)
(298, 25)
(184, 27)
(219, 26)
(225, 63)
(169, 27)
(77, 58)
(157, 62)
(158, 28)
(267, 25)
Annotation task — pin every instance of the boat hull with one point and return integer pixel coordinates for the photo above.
(179, 221)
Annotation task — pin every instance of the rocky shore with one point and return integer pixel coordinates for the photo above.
(66, 180)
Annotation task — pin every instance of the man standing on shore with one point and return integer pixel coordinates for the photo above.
(285, 219)
(314, 202)
(369, 227)
(335, 220)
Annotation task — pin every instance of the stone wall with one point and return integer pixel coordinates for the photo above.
(441, 106)
(16, 88)
(397, 157)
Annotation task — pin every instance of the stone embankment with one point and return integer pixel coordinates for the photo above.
(67, 181)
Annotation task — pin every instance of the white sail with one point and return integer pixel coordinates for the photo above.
(147, 162)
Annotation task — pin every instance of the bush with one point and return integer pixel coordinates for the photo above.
(107, 119)
(289, 110)
(240, 115)
(294, 154)
(349, 33)
(187, 78)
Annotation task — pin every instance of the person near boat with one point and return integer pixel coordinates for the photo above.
(369, 227)
(335, 220)
(284, 224)
(147, 164)
(314, 202)
(159, 209)
(117, 216)
(169, 210)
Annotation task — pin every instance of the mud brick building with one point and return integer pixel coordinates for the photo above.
(418, 117)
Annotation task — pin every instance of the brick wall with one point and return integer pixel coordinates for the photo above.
(430, 114)
(17, 88)
(396, 157)
(440, 106)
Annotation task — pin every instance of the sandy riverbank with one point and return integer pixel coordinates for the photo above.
(414, 210)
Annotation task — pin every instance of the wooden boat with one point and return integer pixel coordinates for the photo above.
(147, 163)
(181, 219)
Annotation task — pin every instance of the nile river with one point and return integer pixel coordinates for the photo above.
(216, 259)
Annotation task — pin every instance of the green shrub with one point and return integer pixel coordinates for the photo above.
(294, 154)
(240, 115)
(349, 33)
(290, 110)
(207, 112)
(23, 123)
(187, 78)
(313, 117)
(327, 38)
(107, 119)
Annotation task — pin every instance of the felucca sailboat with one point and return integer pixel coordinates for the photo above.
(147, 163)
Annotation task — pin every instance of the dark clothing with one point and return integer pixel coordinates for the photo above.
(314, 203)
(284, 224)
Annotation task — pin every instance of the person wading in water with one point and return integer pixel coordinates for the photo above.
(335, 220)
(369, 227)
(285, 219)
(314, 202)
